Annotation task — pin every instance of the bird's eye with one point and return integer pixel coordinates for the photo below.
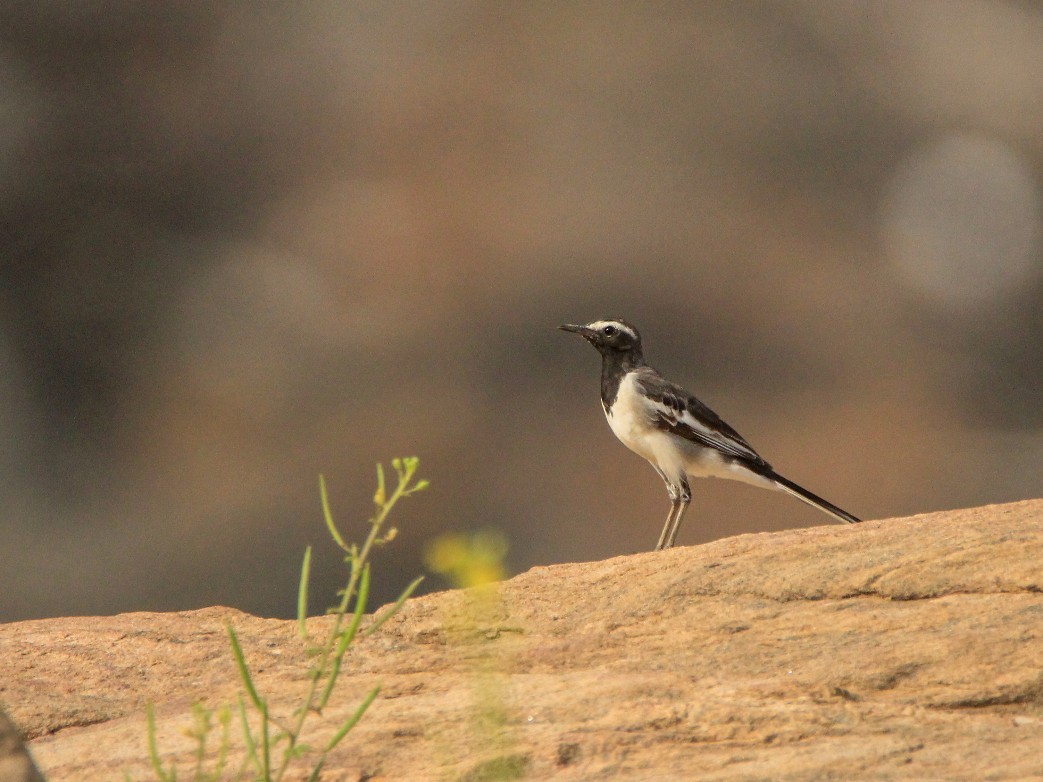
(608, 331)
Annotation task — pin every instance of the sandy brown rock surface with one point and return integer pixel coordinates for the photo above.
(15, 763)
(897, 649)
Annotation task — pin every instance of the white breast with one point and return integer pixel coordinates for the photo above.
(630, 420)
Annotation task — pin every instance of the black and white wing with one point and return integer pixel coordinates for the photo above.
(676, 411)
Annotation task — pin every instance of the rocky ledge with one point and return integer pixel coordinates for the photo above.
(897, 649)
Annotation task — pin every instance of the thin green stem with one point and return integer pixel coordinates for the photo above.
(358, 560)
(346, 638)
(153, 748)
(302, 595)
(266, 750)
(202, 719)
(251, 745)
(272, 730)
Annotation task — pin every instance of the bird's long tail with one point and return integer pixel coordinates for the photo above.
(813, 500)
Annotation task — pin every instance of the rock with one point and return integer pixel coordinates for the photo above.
(15, 763)
(897, 649)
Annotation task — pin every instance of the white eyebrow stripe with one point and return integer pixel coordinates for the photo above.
(598, 324)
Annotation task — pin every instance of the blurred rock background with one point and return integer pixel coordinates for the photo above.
(243, 244)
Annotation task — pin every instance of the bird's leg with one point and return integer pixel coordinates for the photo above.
(684, 496)
(674, 505)
(682, 506)
(675, 501)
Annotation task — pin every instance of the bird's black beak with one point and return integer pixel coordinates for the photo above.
(583, 331)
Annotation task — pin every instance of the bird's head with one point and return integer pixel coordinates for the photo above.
(610, 337)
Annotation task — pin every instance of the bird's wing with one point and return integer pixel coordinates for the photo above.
(676, 411)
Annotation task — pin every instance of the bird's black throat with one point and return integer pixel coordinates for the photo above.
(614, 367)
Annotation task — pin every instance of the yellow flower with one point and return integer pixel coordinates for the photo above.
(468, 560)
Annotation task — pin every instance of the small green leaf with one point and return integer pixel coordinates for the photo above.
(330, 683)
(328, 515)
(302, 595)
(353, 719)
(244, 671)
(394, 608)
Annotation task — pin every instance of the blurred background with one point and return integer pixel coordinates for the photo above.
(243, 244)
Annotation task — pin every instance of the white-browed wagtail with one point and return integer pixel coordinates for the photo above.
(679, 435)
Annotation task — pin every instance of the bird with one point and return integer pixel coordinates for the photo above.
(676, 433)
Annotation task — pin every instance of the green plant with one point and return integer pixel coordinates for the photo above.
(272, 747)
